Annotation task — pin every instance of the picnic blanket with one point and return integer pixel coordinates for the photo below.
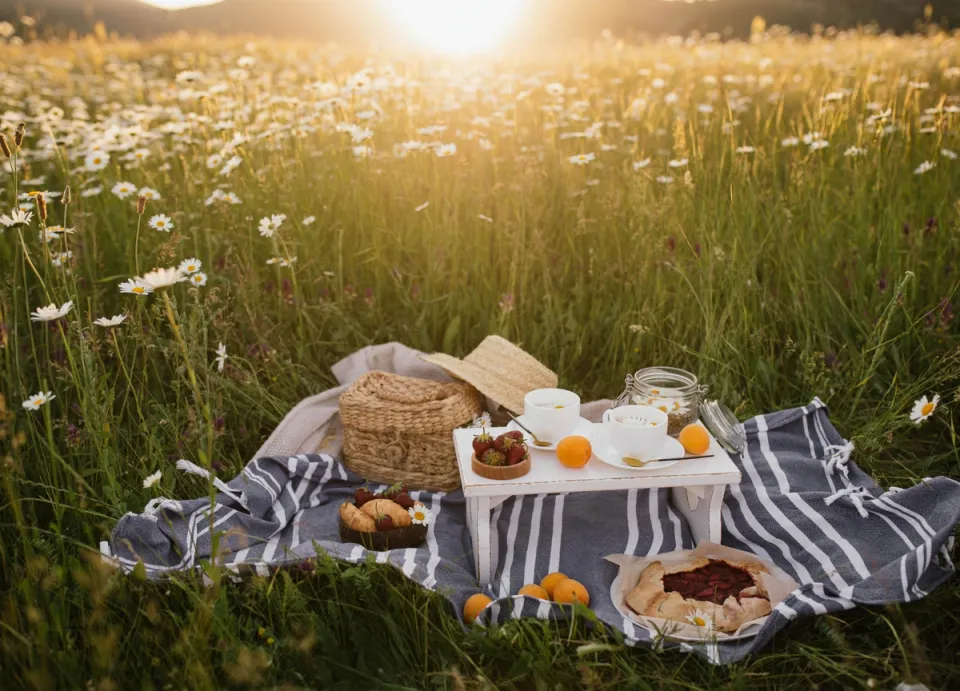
(802, 503)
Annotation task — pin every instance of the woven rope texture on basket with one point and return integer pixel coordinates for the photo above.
(400, 429)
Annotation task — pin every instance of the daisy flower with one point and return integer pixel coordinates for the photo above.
(51, 312)
(701, 619)
(162, 278)
(923, 408)
(788, 142)
(115, 320)
(582, 159)
(96, 161)
(151, 480)
(190, 266)
(290, 261)
(309, 220)
(38, 399)
(483, 420)
(199, 279)
(678, 163)
(445, 150)
(221, 358)
(420, 514)
(271, 224)
(925, 167)
(17, 218)
(161, 222)
(637, 165)
(124, 189)
(135, 286)
(148, 193)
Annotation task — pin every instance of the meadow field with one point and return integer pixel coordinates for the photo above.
(780, 216)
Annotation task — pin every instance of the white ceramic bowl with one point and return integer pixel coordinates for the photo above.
(551, 414)
(637, 431)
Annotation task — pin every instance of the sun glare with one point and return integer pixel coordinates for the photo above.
(456, 26)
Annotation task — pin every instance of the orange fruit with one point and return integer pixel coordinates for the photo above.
(574, 452)
(550, 581)
(695, 439)
(569, 590)
(534, 590)
(475, 605)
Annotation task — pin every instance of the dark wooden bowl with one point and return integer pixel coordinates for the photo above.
(499, 472)
(381, 541)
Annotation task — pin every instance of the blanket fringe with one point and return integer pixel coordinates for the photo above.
(193, 469)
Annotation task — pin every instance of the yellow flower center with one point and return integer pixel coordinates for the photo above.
(418, 515)
(138, 290)
(699, 621)
(37, 401)
(927, 408)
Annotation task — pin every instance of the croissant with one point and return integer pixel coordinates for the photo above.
(386, 507)
(355, 519)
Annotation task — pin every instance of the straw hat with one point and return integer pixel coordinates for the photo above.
(499, 370)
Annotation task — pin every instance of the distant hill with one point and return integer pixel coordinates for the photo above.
(359, 20)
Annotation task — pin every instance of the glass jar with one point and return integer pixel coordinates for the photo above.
(675, 391)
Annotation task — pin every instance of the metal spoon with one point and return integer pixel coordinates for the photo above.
(637, 463)
(536, 442)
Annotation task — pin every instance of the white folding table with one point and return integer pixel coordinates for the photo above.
(697, 488)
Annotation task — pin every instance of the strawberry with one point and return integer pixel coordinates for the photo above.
(404, 500)
(514, 434)
(516, 454)
(481, 443)
(494, 457)
(362, 495)
(504, 442)
(384, 522)
(393, 490)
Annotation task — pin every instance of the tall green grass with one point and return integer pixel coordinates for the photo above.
(776, 275)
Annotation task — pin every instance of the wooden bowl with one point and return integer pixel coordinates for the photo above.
(500, 472)
(383, 540)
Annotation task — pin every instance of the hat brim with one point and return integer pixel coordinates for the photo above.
(490, 385)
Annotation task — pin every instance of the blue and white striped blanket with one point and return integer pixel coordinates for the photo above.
(802, 504)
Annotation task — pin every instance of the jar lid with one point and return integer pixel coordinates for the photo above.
(723, 424)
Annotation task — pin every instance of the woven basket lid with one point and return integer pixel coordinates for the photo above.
(500, 370)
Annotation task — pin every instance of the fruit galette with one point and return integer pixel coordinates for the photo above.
(729, 592)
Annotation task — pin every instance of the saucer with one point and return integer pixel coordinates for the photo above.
(603, 450)
(584, 428)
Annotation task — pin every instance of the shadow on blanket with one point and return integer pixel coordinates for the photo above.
(802, 504)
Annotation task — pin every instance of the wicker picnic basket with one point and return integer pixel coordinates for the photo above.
(400, 429)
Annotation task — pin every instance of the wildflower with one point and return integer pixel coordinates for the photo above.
(582, 159)
(445, 150)
(664, 179)
(151, 480)
(162, 278)
(16, 218)
(96, 161)
(948, 153)
(271, 224)
(198, 279)
(483, 420)
(309, 220)
(59, 259)
(745, 149)
(788, 142)
(637, 165)
(923, 408)
(38, 399)
(818, 144)
(854, 151)
(115, 320)
(638, 328)
(161, 222)
(678, 163)
(925, 167)
(190, 266)
(135, 286)
(420, 514)
(150, 194)
(701, 619)
(124, 189)
(221, 358)
(289, 261)
(51, 312)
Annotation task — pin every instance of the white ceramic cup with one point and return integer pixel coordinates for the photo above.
(636, 431)
(551, 414)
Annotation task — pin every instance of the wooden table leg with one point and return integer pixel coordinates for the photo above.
(703, 515)
(482, 545)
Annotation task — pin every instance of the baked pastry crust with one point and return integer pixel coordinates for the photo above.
(355, 519)
(387, 507)
(650, 598)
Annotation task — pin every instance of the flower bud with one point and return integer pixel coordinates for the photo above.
(18, 135)
(65, 198)
(141, 204)
(41, 206)
(4, 147)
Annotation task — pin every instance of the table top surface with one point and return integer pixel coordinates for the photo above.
(548, 475)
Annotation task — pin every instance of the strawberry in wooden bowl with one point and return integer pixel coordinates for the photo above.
(381, 522)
